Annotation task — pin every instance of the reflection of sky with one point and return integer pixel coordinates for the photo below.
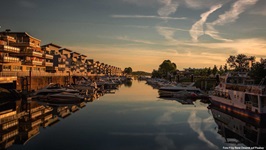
(133, 118)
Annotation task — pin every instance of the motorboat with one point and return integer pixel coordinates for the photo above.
(57, 94)
(237, 93)
(64, 97)
(181, 91)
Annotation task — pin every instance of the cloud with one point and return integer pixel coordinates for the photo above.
(125, 38)
(165, 142)
(199, 4)
(148, 17)
(197, 28)
(167, 33)
(228, 17)
(168, 8)
(195, 124)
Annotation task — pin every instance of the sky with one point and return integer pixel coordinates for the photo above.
(143, 33)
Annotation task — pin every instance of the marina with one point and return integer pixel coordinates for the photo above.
(113, 121)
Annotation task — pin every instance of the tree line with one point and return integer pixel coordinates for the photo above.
(240, 63)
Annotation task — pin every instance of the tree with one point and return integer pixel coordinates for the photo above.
(214, 70)
(208, 72)
(241, 62)
(258, 70)
(128, 70)
(225, 68)
(155, 74)
(167, 68)
(221, 70)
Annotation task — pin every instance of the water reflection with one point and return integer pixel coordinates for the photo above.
(128, 83)
(21, 120)
(237, 130)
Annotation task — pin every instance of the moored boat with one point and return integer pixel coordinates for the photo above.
(238, 94)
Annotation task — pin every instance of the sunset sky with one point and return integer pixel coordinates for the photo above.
(142, 33)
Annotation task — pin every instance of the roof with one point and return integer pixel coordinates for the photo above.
(52, 44)
(27, 34)
(65, 49)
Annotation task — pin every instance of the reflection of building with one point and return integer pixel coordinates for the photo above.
(9, 115)
(61, 111)
(29, 125)
(237, 129)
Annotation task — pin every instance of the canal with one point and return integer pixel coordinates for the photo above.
(133, 118)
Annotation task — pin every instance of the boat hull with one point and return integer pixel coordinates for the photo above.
(258, 117)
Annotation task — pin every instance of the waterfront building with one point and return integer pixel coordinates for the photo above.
(51, 50)
(30, 53)
(74, 62)
(82, 64)
(63, 61)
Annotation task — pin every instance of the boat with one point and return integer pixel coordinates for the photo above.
(176, 91)
(57, 94)
(64, 97)
(237, 93)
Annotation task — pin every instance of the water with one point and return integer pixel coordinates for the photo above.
(133, 118)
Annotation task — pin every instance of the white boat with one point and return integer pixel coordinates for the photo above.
(172, 91)
(55, 93)
(237, 93)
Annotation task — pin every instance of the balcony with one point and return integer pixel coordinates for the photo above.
(37, 62)
(9, 59)
(61, 66)
(11, 49)
(29, 53)
(49, 64)
(33, 62)
(48, 56)
(37, 54)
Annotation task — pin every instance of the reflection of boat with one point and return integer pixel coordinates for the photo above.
(8, 95)
(237, 93)
(238, 129)
(185, 101)
(64, 97)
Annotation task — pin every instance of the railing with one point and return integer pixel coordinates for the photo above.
(48, 56)
(9, 48)
(49, 64)
(8, 74)
(9, 59)
(37, 54)
(36, 62)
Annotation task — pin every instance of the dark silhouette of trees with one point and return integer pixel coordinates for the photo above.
(241, 62)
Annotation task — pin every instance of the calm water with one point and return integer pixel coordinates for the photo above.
(133, 118)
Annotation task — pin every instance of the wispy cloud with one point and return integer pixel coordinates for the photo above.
(125, 38)
(195, 124)
(229, 16)
(197, 29)
(148, 17)
(167, 33)
(199, 4)
(168, 8)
